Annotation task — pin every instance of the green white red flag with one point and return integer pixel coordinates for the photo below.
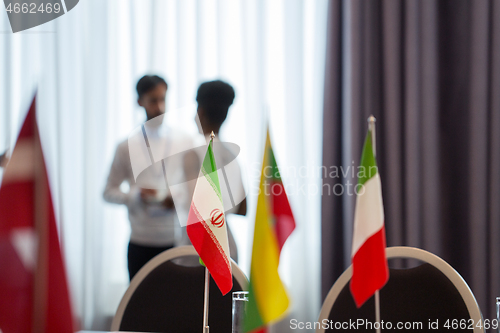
(206, 225)
(369, 263)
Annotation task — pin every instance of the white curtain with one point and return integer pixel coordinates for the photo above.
(84, 66)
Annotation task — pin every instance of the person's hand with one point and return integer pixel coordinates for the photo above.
(147, 194)
(168, 202)
(3, 160)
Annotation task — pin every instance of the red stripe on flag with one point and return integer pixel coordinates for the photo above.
(16, 285)
(29, 125)
(210, 252)
(284, 221)
(14, 207)
(369, 268)
(59, 317)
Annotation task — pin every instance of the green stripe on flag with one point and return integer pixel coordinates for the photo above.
(368, 165)
(253, 319)
(274, 166)
(209, 170)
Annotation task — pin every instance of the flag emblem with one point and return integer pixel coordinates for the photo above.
(217, 218)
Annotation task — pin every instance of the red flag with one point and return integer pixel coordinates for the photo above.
(33, 287)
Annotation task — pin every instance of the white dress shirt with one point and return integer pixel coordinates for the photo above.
(151, 223)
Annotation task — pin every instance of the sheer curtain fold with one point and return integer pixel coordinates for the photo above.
(428, 71)
(85, 65)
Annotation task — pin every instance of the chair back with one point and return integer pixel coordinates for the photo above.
(419, 298)
(167, 294)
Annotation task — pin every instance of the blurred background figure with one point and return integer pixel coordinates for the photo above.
(214, 99)
(151, 211)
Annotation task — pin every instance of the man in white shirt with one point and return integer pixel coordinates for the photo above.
(151, 211)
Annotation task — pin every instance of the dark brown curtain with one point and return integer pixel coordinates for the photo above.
(429, 71)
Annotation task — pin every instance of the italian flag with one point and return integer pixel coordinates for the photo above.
(267, 298)
(206, 225)
(369, 263)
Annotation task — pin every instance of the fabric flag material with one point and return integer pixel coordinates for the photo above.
(267, 299)
(369, 263)
(33, 287)
(206, 225)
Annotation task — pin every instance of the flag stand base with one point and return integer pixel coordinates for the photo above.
(377, 310)
(205, 302)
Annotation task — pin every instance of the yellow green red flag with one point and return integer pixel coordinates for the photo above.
(267, 299)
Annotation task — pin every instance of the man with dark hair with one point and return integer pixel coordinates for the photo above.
(151, 211)
(151, 92)
(214, 99)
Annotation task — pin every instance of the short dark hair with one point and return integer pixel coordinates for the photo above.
(148, 83)
(215, 97)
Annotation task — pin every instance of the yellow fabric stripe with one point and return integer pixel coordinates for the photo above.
(270, 294)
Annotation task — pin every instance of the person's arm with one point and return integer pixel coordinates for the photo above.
(3, 159)
(237, 189)
(242, 208)
(191, 171)
(117, 174)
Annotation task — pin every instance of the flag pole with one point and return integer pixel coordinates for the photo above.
(377, 310)
(371, 128)
(206, 329)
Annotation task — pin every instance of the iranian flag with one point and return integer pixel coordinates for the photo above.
(369, 263)
(206, 225)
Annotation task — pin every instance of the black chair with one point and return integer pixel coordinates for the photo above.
(166, 295)
(431, 292)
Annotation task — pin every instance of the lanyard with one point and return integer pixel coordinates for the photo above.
(163, 160)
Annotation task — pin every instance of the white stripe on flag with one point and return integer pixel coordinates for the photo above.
(369, 213)
(205, 204)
